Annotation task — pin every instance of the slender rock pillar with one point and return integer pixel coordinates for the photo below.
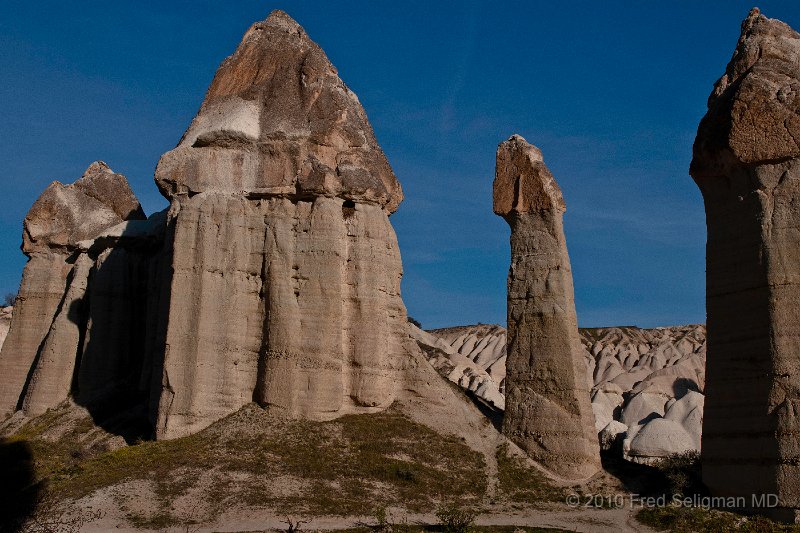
(548, 410)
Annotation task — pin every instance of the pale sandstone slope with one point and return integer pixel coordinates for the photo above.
(636, 376)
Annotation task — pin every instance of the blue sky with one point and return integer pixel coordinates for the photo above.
(610, 91)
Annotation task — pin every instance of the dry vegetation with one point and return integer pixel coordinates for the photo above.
(518, 483)
(349, 466)
(690, 520)
(353, 466)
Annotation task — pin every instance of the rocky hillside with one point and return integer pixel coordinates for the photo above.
(647, 384)
(5, 322)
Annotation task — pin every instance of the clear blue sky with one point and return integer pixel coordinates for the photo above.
(610, 91)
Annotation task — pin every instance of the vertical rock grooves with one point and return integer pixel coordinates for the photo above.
(55, 326)
(548, 411)
(286, 269)
(746, 164)
(274, 276)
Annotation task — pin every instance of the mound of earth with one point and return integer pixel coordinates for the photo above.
(257, 468)
(638, 377)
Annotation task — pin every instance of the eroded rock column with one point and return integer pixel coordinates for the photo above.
(46, 337)
(286, 285)
(747, 165)
(548, 411)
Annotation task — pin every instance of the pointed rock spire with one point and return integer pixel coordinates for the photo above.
(278, 121)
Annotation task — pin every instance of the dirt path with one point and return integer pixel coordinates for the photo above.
(581, 520)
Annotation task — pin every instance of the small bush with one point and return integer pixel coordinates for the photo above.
(689, 520)
(9, 299)
(682, 474)
(415, 322)
(291, 526)
(382, 519)
(454, 519)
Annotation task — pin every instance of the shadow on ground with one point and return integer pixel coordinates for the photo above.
(18, 491)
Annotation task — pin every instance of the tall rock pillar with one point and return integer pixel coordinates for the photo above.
(747, 165)
(286, 269)
(548, 411)
(46, 340)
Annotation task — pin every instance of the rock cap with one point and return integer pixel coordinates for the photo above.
(278, 121)
(755, 105)
(522, 182)
(64, 215)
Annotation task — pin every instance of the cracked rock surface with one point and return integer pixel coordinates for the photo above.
(746, 165)
(547, 407)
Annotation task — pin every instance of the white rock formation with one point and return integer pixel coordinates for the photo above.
(637, 376)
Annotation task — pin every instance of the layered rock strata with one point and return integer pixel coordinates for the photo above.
(747, 165)
(548, 412)
(62, 332)
(285, 263)
(273, 277)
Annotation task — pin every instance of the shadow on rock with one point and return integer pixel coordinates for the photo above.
(681, 386)
(636, 478)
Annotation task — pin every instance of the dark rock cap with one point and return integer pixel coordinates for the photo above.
(754, 108)
(522, 182)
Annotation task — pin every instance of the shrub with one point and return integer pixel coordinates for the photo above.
(9, 299)
(682, 474)
(292, 527)
(382, 519)
(454, 519)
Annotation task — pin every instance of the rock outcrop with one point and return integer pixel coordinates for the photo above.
(49, 333)
(461, 369)
(746, 163)
(286, 284)
(273, 277)
(637, 376)
(548, 412)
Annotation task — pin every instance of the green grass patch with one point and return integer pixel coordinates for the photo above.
(690, 520)
(518, 482)
(251, 458)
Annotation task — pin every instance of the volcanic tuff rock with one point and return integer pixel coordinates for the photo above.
(636, 375)
(548, 412)
(747, 165)
(5, 322)
(459, 368)
(278, 121)
(58, 340)
(286, 286)
(273, 277)
(65, 214)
